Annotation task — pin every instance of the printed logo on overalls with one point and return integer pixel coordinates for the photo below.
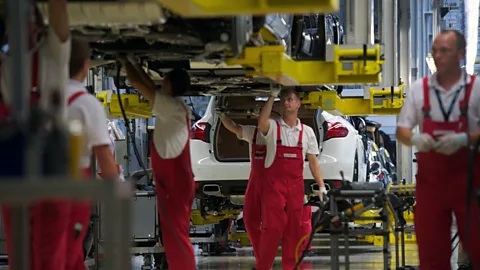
(288, 155)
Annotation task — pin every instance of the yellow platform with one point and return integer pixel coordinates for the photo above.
(197, 219)
(219, 8)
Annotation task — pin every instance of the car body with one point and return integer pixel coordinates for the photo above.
(163, 40)
(220, 160)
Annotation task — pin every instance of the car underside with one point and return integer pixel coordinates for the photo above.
(161, 40)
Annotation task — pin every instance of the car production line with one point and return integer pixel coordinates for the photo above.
(364, 163)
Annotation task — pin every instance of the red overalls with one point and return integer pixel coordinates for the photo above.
(78, 221)
(282, 205)
(440, 188)
(252, 207)
(175, 190)
(306, 227)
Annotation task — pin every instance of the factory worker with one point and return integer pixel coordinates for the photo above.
(445, 107)
(170, 160)
(87, 109)
(288, 141)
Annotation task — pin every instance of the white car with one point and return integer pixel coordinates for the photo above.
(221, 163)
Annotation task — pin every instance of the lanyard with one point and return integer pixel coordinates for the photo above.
(446, 114)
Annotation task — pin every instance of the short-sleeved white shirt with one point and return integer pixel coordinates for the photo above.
(247, 135)
(171, 125)
(411, 114)
(88, 109)
(53, 61)
(289, 138)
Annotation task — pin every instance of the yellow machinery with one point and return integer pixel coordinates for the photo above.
(379, 101)
(218, 8)
(409, 237)
(134, 105)
(344, 64)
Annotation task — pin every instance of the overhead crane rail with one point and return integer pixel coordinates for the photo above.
(376, 101)
(344, 64)
(218, 8)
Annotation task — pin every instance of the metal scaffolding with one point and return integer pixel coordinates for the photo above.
(20, 192)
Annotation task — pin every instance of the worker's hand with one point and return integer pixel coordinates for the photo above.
(450, 143)
(423, 141)
(275, 92)
(219, 112)
(321, 193)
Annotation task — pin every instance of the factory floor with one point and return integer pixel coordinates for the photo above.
(362, 256)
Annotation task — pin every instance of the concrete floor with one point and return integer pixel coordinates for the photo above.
(362, 256)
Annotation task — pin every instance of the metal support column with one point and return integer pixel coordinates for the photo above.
(436, 17)
(19, 12)
(404, 153)
(359, 22)
(389, 39)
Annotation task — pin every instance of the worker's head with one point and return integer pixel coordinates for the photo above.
(448, 50)
(79, 59)
(176, 82)
(290, 100)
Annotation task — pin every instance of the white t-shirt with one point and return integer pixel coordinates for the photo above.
(53, 61)
(88, 109)
(171, 126)
(289, 138)
(247, 135)
(412, 114)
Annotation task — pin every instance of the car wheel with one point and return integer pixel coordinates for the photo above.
(355, 168)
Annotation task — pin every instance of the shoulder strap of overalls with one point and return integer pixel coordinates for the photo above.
(466, 99)
(300, 136)
(426, 98)
(279, 135)
(254, 139)
(76, 95)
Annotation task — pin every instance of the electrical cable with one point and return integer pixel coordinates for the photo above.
(160, 204)
(318, 220)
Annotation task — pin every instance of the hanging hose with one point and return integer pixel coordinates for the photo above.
(128, 128)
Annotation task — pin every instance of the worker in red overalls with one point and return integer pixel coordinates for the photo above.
(170, 160)
(88, 110)
(252, 207)
(288, 141)
(50, 57)
(445, 107)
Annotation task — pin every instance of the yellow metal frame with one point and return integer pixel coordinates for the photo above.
(133, 104)
(348, 65)
(197, 219)
(378, 103)
(218, 8)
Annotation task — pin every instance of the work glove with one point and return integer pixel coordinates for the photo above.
(423, 141)
(275, 92)
(321, 193)
(450, 143)
(219, 112)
